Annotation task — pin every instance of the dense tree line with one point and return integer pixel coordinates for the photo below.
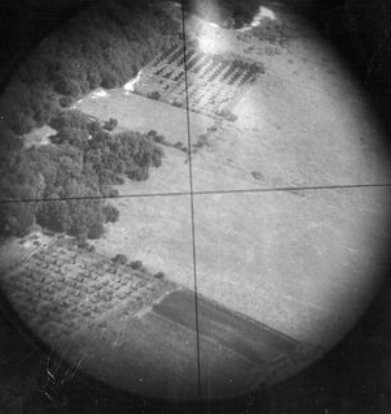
(73, 177)
(104, 46)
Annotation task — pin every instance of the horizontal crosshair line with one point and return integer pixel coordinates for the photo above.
(204, 192)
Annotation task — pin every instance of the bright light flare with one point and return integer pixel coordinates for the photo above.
(210, 39)
(99, 93)
(207, 44)
(129, 86)
(263, 13)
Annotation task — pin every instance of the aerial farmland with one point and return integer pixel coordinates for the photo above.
(253, 245)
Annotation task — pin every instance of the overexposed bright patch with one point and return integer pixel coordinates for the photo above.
(99, 93)
(38, 136)
(129, 87)
(207, 44)
(210, 39)
(214, 25)
(28, 244)
(263, 13)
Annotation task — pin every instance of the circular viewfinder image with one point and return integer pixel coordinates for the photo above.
(194, 196)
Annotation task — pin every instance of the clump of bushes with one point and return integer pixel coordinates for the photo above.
(159, 275)
(120, 259)
(110, 125)
(257, 175)
(228, 115)
(81, 241)
(136, 265)
(111, 213)
(176, 103)
(154, 95)
(154, 136)
(65, 101)
(202, 140)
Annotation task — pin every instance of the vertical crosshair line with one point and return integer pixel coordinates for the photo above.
(191, 199)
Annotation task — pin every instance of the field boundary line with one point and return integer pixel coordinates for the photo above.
(205, 192)
(187, 106)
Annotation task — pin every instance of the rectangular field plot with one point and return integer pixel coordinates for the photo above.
(163, 353)
(150, 348)
(60, 290)
(253, 340)
(210, 84)
(233, 349)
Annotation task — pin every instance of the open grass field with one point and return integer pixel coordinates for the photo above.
(277, 258)
(136, 112)
(304, 122)
(297, 262)
(154, 230)
(139, 113)
(288, 259)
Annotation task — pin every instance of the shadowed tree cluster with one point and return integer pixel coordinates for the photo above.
(73, 177)
(103, 46)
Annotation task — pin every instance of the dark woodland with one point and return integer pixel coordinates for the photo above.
(103, 47)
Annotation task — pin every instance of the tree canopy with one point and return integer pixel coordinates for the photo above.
(104, 46)
(73, 177)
